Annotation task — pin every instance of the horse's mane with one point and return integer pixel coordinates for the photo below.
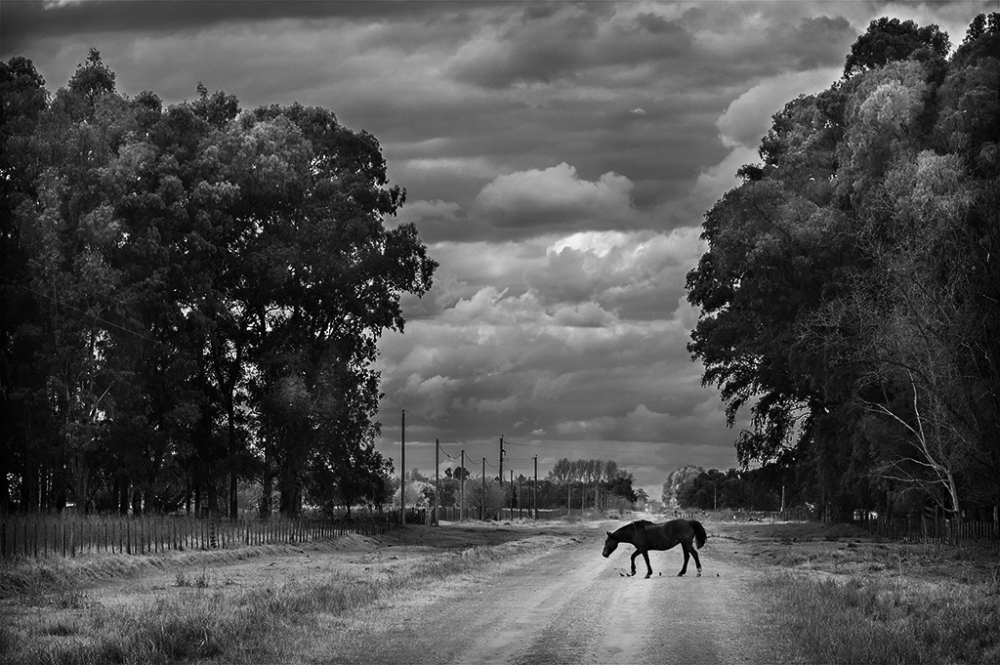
(637, 526)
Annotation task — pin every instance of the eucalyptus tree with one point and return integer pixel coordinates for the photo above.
(201, 290)
(22, 397)
(848, 294)
(67, 229)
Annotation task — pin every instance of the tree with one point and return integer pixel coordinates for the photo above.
(490, 503)
(621, 486)
(92, 79)
(676, 483)
(848, 294)
(68, 235)
(200, 292)
(24, 100)
(889, 39)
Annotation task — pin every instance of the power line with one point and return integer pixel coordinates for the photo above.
(410, 412)
(93, 316)
(627, 453)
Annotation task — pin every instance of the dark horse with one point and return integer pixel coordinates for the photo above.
(648, 536)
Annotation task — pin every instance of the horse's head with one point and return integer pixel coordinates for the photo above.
(609, 545)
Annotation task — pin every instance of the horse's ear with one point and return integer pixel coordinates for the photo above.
(609, 533)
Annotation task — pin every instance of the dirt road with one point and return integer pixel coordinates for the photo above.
(568, 605)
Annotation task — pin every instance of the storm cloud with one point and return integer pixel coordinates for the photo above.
(558, 159)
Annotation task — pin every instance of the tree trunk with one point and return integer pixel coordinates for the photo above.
(268, 478)
(233, 475)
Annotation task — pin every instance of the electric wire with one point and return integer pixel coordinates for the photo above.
(91, 315)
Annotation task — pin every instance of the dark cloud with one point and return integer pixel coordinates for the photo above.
(24, 22)
(810, 43)
(655, 24)
(562, 45)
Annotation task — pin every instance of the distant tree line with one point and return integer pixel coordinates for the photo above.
(848, 296)
(191, 298)
(589, 484)
(694, 488)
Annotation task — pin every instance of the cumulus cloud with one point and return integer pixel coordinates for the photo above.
(639, 275)
(554, 198)
(748, 117)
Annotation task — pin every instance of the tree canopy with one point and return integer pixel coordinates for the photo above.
(848, 295)
(192, 296)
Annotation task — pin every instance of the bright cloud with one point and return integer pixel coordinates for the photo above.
(555, 197)
(748, 117)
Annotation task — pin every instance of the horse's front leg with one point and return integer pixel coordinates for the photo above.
(634, 555)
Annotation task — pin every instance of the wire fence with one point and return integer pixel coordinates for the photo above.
(930, 529)
(43, 536)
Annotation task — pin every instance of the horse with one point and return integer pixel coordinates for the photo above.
(647, 536)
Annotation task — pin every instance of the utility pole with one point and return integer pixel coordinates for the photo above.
(482, 507)
(520, 504)
(501, 460)
(461, 491)
(512, 493)
(534, 490)
(437, 480)
(402, 471)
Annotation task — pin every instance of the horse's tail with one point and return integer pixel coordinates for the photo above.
(699, 533)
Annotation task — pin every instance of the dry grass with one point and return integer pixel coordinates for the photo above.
(873, 620)
(845, 598)
(205, 618)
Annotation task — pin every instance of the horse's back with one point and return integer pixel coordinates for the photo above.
(662, 536)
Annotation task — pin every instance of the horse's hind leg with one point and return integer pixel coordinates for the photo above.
(686, 557)
(697, 561)
(649, 568)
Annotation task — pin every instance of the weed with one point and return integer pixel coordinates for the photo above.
(61, 629)
(71, 600)
(203, 581)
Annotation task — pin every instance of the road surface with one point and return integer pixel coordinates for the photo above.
(568, 605)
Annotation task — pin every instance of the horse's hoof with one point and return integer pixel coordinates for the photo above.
(648, 576)
(699, 574)
(680, 574)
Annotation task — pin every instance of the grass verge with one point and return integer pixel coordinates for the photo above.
(884, 618)
(214, 622)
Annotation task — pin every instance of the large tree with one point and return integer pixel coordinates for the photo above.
(201, 289)
(848, 293)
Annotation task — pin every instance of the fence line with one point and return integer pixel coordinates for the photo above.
(929, 528)
(42, 536)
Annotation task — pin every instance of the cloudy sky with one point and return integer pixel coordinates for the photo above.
(558, 158)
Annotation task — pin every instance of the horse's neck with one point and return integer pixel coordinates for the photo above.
(632, 533)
